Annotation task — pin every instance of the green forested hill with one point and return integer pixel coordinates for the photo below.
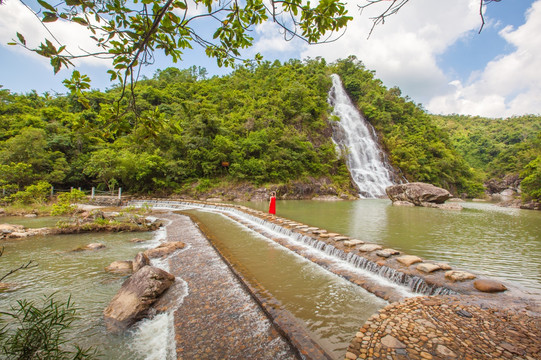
(259, 125)
(415, 144)
(499, 147)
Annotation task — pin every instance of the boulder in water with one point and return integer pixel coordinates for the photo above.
(120, 267)
(135, 297)
(92, 246)
(164, 249)
(489, 286)
(456, 275)
(408, 260)
(417, 193)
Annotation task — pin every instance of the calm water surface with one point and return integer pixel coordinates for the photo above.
(484, 238)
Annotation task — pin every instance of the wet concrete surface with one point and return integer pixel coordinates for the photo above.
(218, 319)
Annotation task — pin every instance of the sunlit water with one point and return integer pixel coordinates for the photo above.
(329, 307)
(80, 275)
(484, 238)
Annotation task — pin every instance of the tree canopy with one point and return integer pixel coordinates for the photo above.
(128, 33)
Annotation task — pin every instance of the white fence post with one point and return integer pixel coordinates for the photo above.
(93, 189)
(119, 193)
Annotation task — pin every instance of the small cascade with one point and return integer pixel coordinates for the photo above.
(357, 139)
(415, 284)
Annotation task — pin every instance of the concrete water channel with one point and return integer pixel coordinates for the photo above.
(320, 292)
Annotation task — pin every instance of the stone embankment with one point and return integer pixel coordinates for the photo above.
(218, 319)
(448, 327)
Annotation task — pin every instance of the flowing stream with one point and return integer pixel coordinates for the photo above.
(357, 139)
(80, 276)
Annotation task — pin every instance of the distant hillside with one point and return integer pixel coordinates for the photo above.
(497, 148)
(181, 132)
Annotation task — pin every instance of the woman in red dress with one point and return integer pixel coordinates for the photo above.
(272, 204)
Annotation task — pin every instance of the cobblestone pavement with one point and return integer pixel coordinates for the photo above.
(446, 327)
(218, 319)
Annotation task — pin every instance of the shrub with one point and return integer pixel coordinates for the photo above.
(38, 331)
(64, 202)
(33, 194)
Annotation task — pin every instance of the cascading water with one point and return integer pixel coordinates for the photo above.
(357, 139)
(406, 284)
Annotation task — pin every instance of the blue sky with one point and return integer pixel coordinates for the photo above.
(431, 49)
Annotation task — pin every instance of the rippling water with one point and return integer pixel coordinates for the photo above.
(79, 274)
(484, 238)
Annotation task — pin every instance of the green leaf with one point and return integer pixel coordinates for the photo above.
(21, 38)
(80, 21)
(47, 6)
(49, 17)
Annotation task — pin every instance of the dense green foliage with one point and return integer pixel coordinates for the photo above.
(39, 331)
(499, 147)
(259, 125)
(415, 144)
(266, 124)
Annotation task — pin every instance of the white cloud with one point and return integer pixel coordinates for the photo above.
(15, 17)
(270, 38)
(508, 85)
(404, 50)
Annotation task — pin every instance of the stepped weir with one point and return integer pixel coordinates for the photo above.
(430, 315)
(387, 273)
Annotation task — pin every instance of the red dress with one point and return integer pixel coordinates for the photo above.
(272, 205)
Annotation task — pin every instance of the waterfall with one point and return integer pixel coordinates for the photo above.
(357, 139)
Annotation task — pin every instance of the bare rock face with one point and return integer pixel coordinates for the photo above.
(140, 261)
(417, 193)
(135, 297)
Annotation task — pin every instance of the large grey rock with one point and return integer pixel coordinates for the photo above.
(135, 297)
(417, 193)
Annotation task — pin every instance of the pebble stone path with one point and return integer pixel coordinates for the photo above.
(447, 327)
(218, 319)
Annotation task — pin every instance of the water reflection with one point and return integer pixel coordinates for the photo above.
(498, 242)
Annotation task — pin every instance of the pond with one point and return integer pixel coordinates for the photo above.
(498, 242)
